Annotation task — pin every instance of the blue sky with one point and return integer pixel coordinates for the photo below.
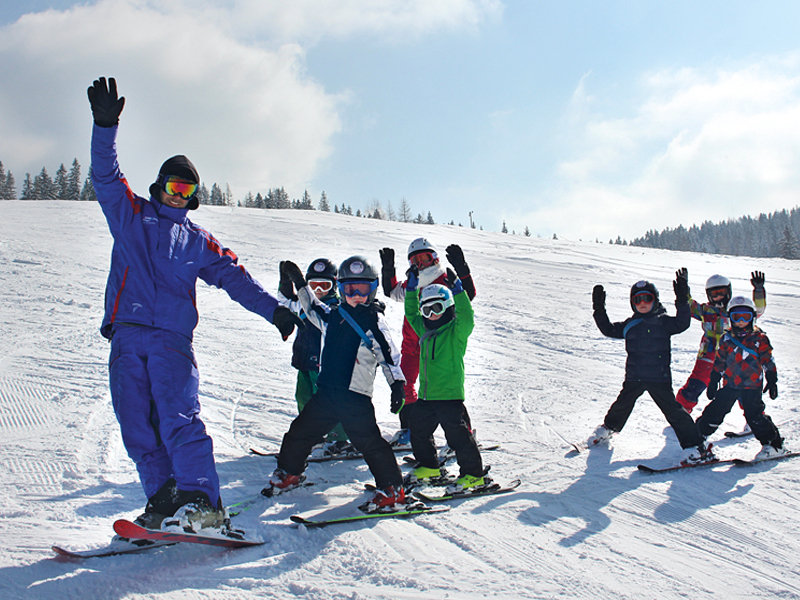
(584, 119)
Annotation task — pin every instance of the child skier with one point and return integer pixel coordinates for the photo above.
(714, 317)
(647, 369)
(443, 320)
(423, 256)
(355, 341)
(321, 279)
(743, 361)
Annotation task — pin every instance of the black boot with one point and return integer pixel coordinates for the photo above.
(160, 505)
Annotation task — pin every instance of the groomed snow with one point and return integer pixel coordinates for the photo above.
(588, 526)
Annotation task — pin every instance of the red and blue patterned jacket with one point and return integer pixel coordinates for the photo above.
(715, 321)
(742, 360)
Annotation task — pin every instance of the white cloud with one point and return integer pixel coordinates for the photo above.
(223, 83)
(699, 145)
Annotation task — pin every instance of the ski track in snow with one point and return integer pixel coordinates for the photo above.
(581, 526)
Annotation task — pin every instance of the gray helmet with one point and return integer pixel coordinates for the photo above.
(358, 268)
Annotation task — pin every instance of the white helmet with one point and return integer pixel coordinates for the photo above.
(717, 282)
(420, 245)
(742, 302)
(435, 297)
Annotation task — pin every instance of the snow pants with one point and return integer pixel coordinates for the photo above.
(154, 389)
(304, 390)
(698, 381)
(661, 392)
(355, 412)
(425, 416)
(762, 426)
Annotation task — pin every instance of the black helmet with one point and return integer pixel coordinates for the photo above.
(321, 268)
(358, 268)
(644, 286)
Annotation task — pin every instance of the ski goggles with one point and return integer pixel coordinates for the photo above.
(175, 186)
(422, 260)
(643, 298)
(718, 293)
(432, 309)
(324, 285)
(358, 288)
(740, 316)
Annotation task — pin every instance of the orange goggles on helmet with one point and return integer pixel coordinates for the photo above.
(324, 285)
(175, 186)
(422, 260)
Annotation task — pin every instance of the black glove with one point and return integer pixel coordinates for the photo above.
(387, 269)
(105, 104)
(285, 320)
(398, 400)
(681, 286)
(598, 298)
(285, 284)
(455, 256)
(713, 384)
(757, 279)
(772, 384)
(294, 274)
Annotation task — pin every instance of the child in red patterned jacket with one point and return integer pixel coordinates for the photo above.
(744, 360)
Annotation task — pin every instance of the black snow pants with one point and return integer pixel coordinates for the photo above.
(762, 426)
(661, 392)
(425, 416)
(355, 412)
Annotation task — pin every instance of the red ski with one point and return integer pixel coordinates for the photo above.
(131, 530)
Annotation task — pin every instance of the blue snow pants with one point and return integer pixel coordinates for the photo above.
(154, 389)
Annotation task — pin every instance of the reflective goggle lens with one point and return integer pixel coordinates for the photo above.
(320, 284)
(643, 298)
(717, 293)
(422, 259)
(432, 308)
(358, 288)
(743, 316)
(175, 186)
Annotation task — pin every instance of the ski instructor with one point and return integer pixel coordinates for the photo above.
(150, 314)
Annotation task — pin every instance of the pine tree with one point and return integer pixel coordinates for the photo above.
(43, 186)
(10, 189)
(27, 188)
(323, 203)
(203, 195)
(87, 192)
(504, 228)
(73, 186)
(216, 198)
(2, 182)
(527, 231)
(390, 214)
(404, 214)
(429, 220)
(60, 183)
(789, 246)
(305, 203)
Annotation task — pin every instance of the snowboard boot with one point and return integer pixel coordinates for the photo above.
(195, 513)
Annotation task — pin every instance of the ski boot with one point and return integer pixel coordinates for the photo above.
(698, 455)
(388, 499)
(281, 481)
(197, 513)
(600, 435)
(469, 483)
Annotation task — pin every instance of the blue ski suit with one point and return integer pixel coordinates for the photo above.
(150, 315)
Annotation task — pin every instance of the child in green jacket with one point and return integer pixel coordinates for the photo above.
(443, 319)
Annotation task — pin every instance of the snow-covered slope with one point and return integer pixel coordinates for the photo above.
(589, 526)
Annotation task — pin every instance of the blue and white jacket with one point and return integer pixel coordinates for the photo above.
(159, 254)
